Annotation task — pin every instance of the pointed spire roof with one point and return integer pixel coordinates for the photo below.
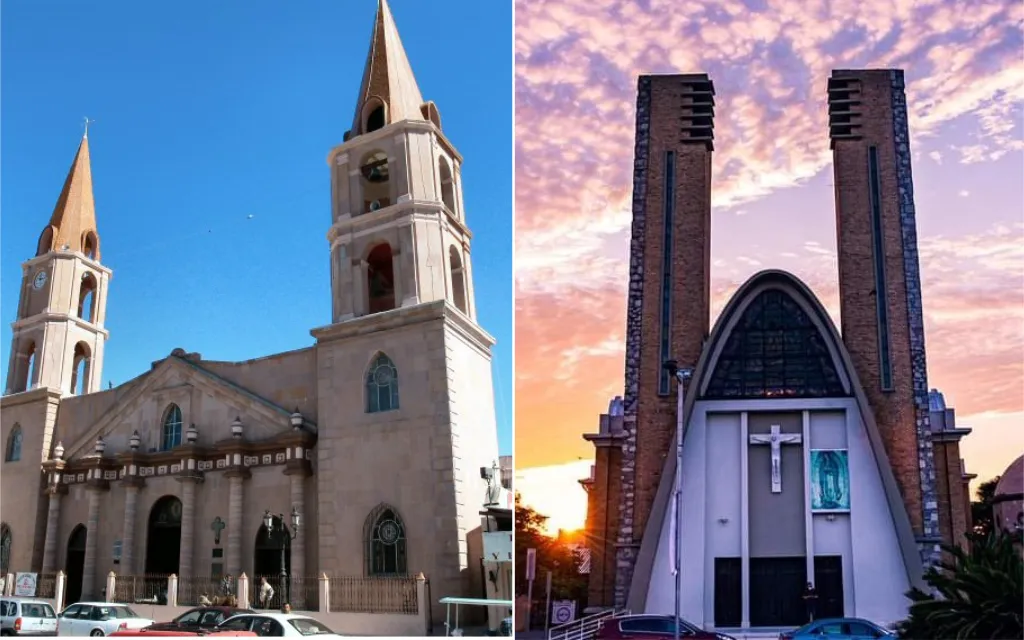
(388, 75)
(74, 216)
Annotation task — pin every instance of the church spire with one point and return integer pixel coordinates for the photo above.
(388, 92)
(73, 223)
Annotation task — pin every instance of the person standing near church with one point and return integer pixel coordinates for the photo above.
(266, 593)
(811, 601)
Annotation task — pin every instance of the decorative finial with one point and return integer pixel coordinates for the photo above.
(236, 428)
(192, 434)
(87, 122)
(134, 441)
(101, 446)
(296, 419)
(58, 453)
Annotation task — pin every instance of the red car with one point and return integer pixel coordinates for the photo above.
(652, 627)
(200, 618)
(178, 634)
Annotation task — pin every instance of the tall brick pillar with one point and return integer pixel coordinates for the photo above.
(879, 279)
(668, 309)
(602, 528)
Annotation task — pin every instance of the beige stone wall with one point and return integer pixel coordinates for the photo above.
(287, 379)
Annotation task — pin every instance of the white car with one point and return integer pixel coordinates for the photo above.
(98, 619)
(277, 624)
(26, 617)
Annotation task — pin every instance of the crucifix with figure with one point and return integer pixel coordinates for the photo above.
(775, 440)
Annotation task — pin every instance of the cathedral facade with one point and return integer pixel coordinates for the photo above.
(808, 451)
(372, 439)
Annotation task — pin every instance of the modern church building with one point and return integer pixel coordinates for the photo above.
(808, 455)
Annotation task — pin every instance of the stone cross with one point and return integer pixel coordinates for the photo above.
(776, 439)
(217, 526)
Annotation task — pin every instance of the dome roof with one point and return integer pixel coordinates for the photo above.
(1012, 480)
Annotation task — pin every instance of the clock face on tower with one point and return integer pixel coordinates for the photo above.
(40, 280)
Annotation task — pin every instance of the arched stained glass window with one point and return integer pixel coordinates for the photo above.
(13, 453)
(381, 385)
(171, 432)
(775, 351)
(385, 543)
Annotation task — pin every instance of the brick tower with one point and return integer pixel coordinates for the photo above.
(879, 280)
(668, 309)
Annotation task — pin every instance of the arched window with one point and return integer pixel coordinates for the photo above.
(6, 540)
(81, 366)
(87, 298)
(25, 368)
(13, 453)
(91, 245)
(458, 280)
(447, 184)
(381, 385)
(380, 279)
(170, 434)
(45, 241)
(375, 181)
(774, 351)
(385, 543)
(375, 119)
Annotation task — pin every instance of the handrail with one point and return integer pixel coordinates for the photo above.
(584, 628)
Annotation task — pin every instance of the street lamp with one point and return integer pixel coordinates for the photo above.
(681, 376)
(286, 537)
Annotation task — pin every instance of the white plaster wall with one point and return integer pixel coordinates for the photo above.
(724, 496)
(880, 578)
(661, 591)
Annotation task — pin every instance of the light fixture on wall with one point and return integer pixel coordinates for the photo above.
(831, 517)
(723, 520)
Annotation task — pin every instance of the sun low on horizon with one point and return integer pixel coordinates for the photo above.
(773, 201)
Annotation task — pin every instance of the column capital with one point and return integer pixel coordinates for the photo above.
(190, 475)
(56, 489)
(238, 472)
(298, 467)
(133, 482)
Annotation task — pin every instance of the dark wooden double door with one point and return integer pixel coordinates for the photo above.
(776, 591)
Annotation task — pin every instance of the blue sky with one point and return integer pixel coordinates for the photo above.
(206, 113)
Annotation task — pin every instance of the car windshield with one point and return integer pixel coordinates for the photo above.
(309, 627)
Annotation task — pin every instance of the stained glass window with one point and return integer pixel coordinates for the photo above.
(14, 445)
(386, 543)
(381, 385)
(774, 351)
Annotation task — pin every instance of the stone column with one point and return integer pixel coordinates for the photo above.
(91, 541)
(235, 524)
(52, 529)
(131, 500)
(298, 549)
(188, 525)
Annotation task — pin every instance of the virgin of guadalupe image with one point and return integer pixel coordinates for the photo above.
(830, 480)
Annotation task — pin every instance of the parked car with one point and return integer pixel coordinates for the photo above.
(838, 629)
(99, 619)
(26, 617)
(653, 627)
(198, 618)
(278, 624)
(136, 633)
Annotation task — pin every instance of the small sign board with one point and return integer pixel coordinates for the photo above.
(563, 611)
(25, 584)
(531, 564)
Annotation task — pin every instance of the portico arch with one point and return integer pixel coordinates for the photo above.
(74, 564)
(163, 537)
(267, 557)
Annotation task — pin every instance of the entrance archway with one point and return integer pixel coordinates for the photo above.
(267, 559)
(163, 540)
(74, 564)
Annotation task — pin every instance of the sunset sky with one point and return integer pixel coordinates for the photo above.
(576, 68)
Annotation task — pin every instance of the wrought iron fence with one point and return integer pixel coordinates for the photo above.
(46, 585)
(144, 589)
(374, 595)
(194, 591)
(304, 594)
(272, 596)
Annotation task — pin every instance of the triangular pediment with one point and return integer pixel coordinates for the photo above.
(202, 397)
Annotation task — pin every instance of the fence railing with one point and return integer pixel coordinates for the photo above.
(144, 589)
(46, 585)
(374, 595)
(200, 590)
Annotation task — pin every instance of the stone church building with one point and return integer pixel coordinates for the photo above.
(810, 453)
(374, 436)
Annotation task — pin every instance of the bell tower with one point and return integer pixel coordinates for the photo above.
(398, 236)
(59, 338)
